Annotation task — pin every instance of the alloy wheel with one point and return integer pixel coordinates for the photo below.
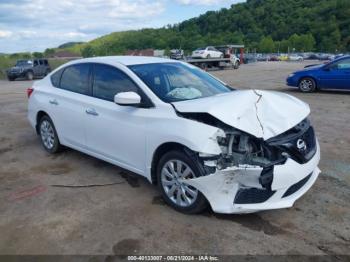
(306, 85)
(172, 175)
(47, 134)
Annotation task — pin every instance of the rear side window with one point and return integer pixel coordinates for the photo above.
(109, 81)
(56, 77)
(75, 78)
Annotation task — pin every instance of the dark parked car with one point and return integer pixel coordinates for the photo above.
(29, 69)
(332, 75)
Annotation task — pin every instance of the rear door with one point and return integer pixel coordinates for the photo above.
(68, 102)
(336, 75)
(116, 132)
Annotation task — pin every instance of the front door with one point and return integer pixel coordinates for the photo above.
(336, 75)
(116, 132)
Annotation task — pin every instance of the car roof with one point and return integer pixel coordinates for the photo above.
(125, 60)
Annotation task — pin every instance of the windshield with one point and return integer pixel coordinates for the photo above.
(173, 82)
(23, 62)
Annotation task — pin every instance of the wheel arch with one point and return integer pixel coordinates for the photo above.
(39, 115)
(308, 76)
(159, 152)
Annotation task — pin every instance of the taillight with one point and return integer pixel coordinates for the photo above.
(29, 91)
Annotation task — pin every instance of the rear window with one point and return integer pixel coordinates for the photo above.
(75, 78)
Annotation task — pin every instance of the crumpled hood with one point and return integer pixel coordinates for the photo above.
(263, 114)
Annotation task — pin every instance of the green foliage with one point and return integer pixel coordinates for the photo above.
(267, 45)
(69, 45)
(49, 52)
(266, 25)
(37, 55)
(21, 55)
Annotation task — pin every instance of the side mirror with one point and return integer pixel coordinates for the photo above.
(127, 99)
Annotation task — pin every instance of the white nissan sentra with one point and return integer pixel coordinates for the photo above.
(202, 142)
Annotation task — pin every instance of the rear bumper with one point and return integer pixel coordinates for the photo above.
(224, 188)
(198, 56)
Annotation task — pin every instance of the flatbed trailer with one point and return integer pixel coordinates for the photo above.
(207, 63)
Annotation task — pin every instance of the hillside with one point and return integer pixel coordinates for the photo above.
(267, 25)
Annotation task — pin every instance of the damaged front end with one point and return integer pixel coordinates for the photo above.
(254, 174)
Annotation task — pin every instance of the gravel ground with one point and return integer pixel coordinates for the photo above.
(129, 217)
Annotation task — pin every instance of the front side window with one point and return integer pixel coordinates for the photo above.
(75, 78)
(344, 64)
(173, 82)
(109, 81)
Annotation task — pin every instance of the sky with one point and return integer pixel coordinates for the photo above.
(34, 25)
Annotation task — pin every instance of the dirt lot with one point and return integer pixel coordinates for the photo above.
(130, 217)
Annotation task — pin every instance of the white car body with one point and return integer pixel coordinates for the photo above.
(207, 52)
(296, 58)
(129, 137)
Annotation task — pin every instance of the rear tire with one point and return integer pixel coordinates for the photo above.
(236, 65)
(307, 85)
(48, 135)
(175, 165)
(10, 78)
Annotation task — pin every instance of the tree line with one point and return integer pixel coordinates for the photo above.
(267, 26)
(262, 25)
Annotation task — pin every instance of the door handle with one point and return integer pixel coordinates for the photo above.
(91, 111)
(53, 102)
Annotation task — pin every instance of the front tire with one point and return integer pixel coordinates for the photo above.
(48, 135)
(307, 85)
(29, 75)
(172, 167)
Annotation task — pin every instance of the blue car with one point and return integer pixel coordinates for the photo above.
(333, 75)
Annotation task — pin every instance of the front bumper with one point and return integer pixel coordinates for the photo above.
(15, 74)
(291, 180)
(292, 81)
